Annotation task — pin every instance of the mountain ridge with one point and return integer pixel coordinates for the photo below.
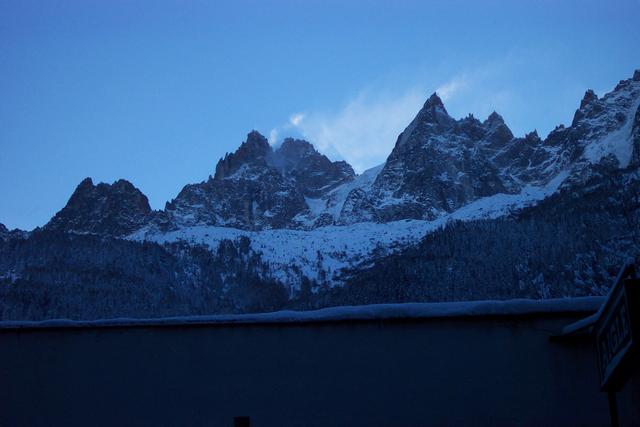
(438, 164)
(285, 226)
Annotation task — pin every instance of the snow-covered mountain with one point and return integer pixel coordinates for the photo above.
(258, 187)
(312, 220)
(440, 169)
(438, 166)
(107, 209)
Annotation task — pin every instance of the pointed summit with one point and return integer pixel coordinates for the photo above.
(257, 140)
(498, 133)
(494, 119)
(532, 136)
(112, 209)
(434, 101)
(254, 150)
(87, 182)
(434, 104)
(83, 189)
(636, 75)
(432, 117)
(297, 147)
(313, 172)
(433, 112)
(588, 97)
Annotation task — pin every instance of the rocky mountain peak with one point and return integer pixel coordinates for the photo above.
(434, 101)
(439, 164)
(589, 105)
(296, 149)
(258, 187)
(588, 97)
(431, 119)
(532, 136)
(497, 131)
(254, 150)
(114, 209)
(433, 110)
(494, 120)
(256, 143)
(82, 191)
(312, 172)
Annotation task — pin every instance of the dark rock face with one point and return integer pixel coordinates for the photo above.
(440, 164)
(257, 187)
(6, 234)
(112, 209)
(635, 135)
(573, 240)
(437, 165)
(313, 173)
(580, 244)
(245, 192)
(252, 152)
(256, 199)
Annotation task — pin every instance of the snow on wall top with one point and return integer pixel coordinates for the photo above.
(515, 307)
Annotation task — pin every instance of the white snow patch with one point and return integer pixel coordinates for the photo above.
(316, 206)
(618, 143)
(329, 250)
(502, 204)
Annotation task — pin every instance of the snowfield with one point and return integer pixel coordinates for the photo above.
(326, 251)
(617, 143)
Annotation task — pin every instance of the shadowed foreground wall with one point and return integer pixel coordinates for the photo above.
(474, 371)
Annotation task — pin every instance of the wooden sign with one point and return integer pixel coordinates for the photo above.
(616, 330)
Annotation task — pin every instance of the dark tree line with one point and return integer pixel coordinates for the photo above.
(60, 275)
(571, 244)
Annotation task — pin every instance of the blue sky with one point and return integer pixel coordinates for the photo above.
(157, 91)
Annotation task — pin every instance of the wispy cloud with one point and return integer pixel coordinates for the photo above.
(296, 118)
(273, 136)
(364, 130)
(452, 87)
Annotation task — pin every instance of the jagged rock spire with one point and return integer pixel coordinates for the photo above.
(532, 136)
(115, 209)
(254, 149)
(433, 111)
(588, 101)
(588, 97)
(494, 119)
(433, 101)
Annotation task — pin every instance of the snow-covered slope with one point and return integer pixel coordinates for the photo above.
(560, 213)
(438, 165)
(308, 216)
(323, 253)
(441, 170)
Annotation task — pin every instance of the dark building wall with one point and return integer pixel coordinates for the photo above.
(473, 371)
